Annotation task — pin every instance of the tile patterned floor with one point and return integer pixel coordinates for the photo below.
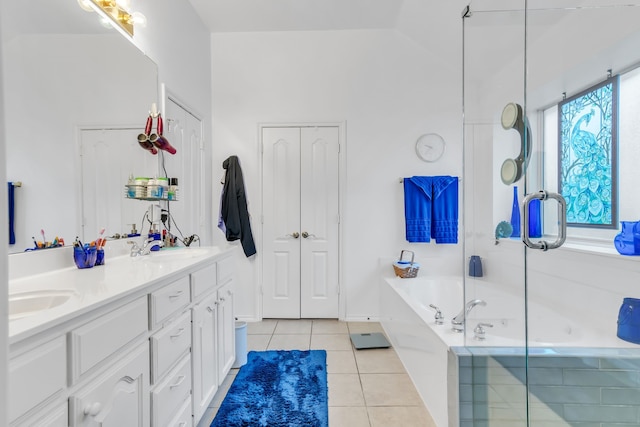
(367, 388)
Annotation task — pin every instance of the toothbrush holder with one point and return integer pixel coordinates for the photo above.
(100, 257)
(85, 257)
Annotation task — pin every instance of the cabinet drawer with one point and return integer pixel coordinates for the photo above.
(169, 344)
(225, 269)
(36, 375)
(171, 393)
(104, 336)
(183, 419)
(203, 280)
(168, 300)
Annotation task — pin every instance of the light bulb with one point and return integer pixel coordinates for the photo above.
(85, 5)
(138, 18)
(105, 22)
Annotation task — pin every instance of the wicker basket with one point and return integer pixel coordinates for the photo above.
(406, 269)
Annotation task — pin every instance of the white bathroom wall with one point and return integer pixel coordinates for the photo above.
(388, 90)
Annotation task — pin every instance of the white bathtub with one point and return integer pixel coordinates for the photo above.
(425, 348)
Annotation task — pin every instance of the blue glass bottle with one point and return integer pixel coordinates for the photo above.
(535, 219)
(515, 214)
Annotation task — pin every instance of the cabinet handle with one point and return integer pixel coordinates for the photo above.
(209, 309)
(176, 295)
(128, 379)
(222, 299)
(177, 383)
(229, 293)
(180, 332)
(92, 409)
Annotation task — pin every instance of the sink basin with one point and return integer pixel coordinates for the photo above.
(175, 254)
(25, 304)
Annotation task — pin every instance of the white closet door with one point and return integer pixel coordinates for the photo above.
(281, 214)
(319, 222)
(300, 228)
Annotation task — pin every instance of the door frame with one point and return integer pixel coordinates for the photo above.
(342, 174)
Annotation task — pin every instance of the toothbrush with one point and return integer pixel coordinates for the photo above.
(99, 239)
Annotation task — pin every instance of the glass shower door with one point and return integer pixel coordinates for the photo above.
(492, 385)
(551, 89)
(581, 90)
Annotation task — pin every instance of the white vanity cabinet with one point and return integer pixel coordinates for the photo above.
(152, 355)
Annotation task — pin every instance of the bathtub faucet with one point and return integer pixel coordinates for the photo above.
(457, 323)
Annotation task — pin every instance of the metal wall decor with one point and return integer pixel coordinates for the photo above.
(588, 155)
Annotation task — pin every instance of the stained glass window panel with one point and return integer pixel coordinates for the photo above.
(587, 127)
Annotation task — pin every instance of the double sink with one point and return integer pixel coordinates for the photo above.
(25, 304)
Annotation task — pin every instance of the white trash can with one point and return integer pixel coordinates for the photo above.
(241, 344)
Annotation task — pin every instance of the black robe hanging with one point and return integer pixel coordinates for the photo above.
(234, 207)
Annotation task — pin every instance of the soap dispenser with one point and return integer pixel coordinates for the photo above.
(134, 232)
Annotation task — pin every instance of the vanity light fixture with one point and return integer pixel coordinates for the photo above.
(116, 11)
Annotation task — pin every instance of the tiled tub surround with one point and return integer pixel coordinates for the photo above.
(587, 387)
(431, 353)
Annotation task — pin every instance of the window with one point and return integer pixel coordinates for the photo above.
(587, 155)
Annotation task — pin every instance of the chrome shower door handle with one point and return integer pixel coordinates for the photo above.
(562, 220)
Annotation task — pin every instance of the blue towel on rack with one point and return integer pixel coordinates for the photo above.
(12, 206)
(444, 225)
(417, 208)
(431, 209)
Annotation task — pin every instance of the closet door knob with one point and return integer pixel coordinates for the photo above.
(295, 235)
(307, 235)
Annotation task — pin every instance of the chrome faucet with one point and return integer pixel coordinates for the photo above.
(145, 249)
(457, 323)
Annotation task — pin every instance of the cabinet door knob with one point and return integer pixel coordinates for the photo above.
(222, 299)
(209, 309)
(92, 409)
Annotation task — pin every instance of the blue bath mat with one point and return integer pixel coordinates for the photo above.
(278, 389)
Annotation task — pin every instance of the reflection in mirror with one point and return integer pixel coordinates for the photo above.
(76, 95)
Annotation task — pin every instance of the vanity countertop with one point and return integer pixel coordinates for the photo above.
(95, 287)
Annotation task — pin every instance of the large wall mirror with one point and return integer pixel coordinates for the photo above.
(76, 95)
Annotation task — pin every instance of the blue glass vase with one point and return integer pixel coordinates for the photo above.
(627, 242)
(515, 214)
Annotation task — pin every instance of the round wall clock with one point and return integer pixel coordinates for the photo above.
(430, 147)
